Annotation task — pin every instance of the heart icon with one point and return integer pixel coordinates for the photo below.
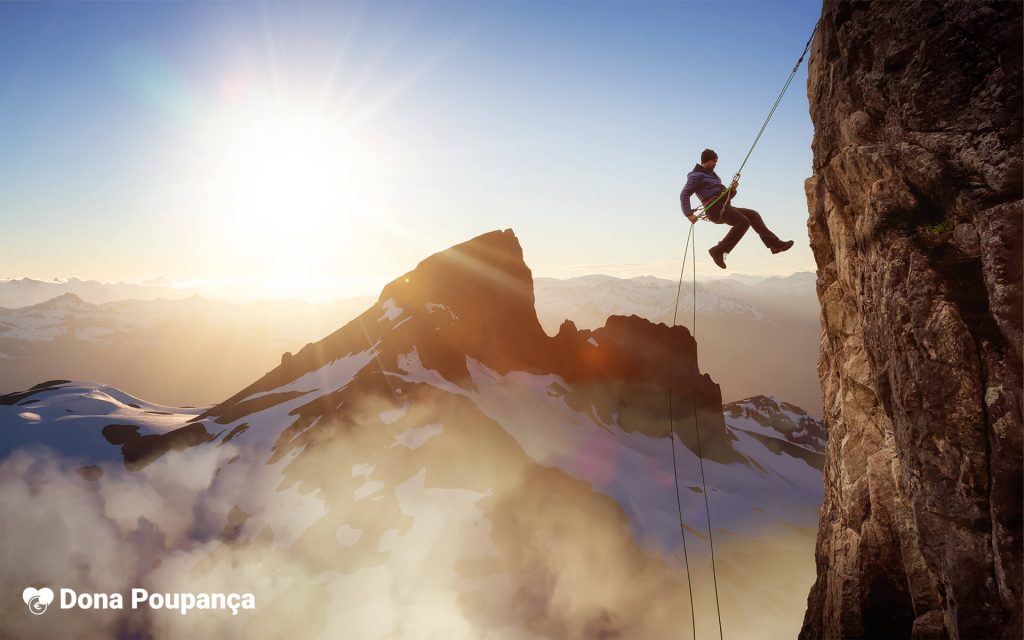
(37, 599)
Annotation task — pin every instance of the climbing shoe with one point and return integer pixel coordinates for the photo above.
(782, 246)
(719, 256)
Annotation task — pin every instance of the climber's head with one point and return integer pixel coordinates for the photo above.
(708, 159)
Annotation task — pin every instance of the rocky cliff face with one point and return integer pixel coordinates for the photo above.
(915, 222)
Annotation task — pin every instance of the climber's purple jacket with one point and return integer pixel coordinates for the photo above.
(705, 183)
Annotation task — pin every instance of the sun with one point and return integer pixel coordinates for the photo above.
(286, 166)
(279, 184)
(282, 170)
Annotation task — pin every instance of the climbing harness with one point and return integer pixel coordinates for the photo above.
(691, 242)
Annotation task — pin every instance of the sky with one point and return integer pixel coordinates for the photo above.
(322, 150)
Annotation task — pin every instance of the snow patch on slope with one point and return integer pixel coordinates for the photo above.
(415, 437)
(391, 310)
(636, 470)
(329, 378)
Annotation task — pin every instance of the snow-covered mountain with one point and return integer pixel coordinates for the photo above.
(76, 419)
(770, 418)
(438, 467)
(794, 295)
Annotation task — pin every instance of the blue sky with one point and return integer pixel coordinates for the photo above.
(572, 123)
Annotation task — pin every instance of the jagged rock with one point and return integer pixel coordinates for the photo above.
(140, 450)
(915, 222)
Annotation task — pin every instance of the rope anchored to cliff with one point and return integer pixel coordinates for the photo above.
(775, 106)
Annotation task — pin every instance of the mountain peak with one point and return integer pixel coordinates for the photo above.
(487, 290)
(781, 417)
(63, 300)
(491, 262)
(474, 299)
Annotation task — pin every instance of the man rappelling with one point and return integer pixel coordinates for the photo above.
(716, 199)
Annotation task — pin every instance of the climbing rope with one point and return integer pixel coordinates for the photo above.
(671, 437)
(700, 454)
(691, 240)
(779, 99)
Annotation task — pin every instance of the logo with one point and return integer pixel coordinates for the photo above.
(37, 599)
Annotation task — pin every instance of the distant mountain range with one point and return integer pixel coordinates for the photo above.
(179, 352)
(24, 292)
(758, 338)
(440, 466)
(587, 300)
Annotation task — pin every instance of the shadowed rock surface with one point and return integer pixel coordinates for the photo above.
(140, 450)
(915, 223)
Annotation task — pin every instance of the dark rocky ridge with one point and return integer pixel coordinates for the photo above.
(916, 225)
(139, 450)
(19, 397)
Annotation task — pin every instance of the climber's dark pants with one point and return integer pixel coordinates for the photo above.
(740, 220)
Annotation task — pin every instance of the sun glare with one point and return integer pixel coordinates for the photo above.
(289, 168)
(281, 186)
